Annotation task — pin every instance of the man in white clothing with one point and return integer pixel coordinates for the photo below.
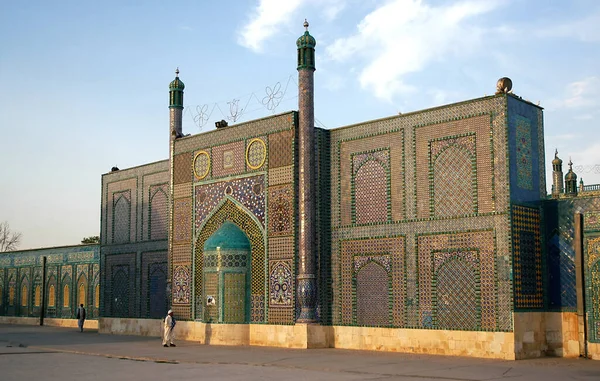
(168, 330)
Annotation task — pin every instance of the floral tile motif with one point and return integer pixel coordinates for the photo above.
(181, 284)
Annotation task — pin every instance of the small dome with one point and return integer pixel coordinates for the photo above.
(229, 236)
(570, 176)
(306, 41)
(557, 160)
(176, 84)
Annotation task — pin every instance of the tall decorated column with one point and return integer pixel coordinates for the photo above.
(175, 131)
(306, 280)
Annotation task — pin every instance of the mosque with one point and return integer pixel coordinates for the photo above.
(425, 232)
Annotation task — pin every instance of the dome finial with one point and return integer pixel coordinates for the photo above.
(570, 164)
(556, 152)
(306, 24)
(177, 72)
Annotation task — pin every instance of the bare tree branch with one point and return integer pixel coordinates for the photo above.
(9, 240)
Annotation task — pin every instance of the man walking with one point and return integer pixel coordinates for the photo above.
(80, 317)
(168, 330)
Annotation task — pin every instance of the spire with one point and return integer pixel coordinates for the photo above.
(176, 91)
(306, 49)
(571, 181)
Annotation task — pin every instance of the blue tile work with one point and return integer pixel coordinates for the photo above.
(559, 232)
(527, 258)
(67, 268)
(526, 151)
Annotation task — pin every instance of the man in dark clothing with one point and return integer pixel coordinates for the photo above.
(80, 317)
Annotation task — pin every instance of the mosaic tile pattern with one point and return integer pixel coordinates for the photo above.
(373, 299)
(158, 205)
(281, 149)
(371, 188)
(453, 183)
(182, 284)
(592, 220)
(229, 159)
(249, 191)
(527, 257)
(257, 308)
(202, 164)
(256, 153)
(281, 284)
(458, 135)
(524, 153)
(592, 259)
(183, 171)
(182, 220)
(229, 211)
(457, 305)
(121, 217)
(281, 210)
(353, 252)
(477, 250)
(234, 298)
(386, 149)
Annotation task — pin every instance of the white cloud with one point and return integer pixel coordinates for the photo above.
(266, 21)
(583, 94)
(404, 36)
(586, 29)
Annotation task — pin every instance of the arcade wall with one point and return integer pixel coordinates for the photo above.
(72, 278)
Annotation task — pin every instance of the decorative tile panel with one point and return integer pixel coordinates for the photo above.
(229, 159)
(527, 257)
(249, 191)
(182, 220)
(281, 284)
(281, 210)
(524, 153)
(181, 284)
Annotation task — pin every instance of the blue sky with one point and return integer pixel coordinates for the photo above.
(84, 85)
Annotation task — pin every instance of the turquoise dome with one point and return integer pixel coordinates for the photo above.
(229, 236)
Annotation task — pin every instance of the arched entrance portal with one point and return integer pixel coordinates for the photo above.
(255, 276)
(226, 280)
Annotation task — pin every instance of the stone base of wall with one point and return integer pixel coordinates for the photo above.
(594, 351)
(498, 345)
(50, 322)
(539, 334)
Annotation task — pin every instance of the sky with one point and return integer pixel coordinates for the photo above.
(84, 85)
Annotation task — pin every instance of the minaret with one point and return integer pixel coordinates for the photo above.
(557, 176)
(306, 289)
(176, 106)
(175, 131)
(571, 181)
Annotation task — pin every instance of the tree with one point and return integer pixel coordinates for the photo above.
(92, 239)
(9, 240)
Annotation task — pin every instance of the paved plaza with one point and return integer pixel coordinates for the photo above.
(49, 353)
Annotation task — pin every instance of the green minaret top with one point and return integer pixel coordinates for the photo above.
(176, 91)
(306, 50)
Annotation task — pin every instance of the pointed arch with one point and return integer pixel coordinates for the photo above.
(158, 205)
(373, 303)
(82, 287)
(52, 292)
(24, 294)
(231, 210)
(456, 302)
(121, 219)
(37, 296)
(66, 296)
(97, 295)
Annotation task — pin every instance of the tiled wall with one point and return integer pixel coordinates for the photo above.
(243, 174)
(134, 226)
(72, 278)
(420, 220)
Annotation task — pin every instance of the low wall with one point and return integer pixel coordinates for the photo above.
(50, 322)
